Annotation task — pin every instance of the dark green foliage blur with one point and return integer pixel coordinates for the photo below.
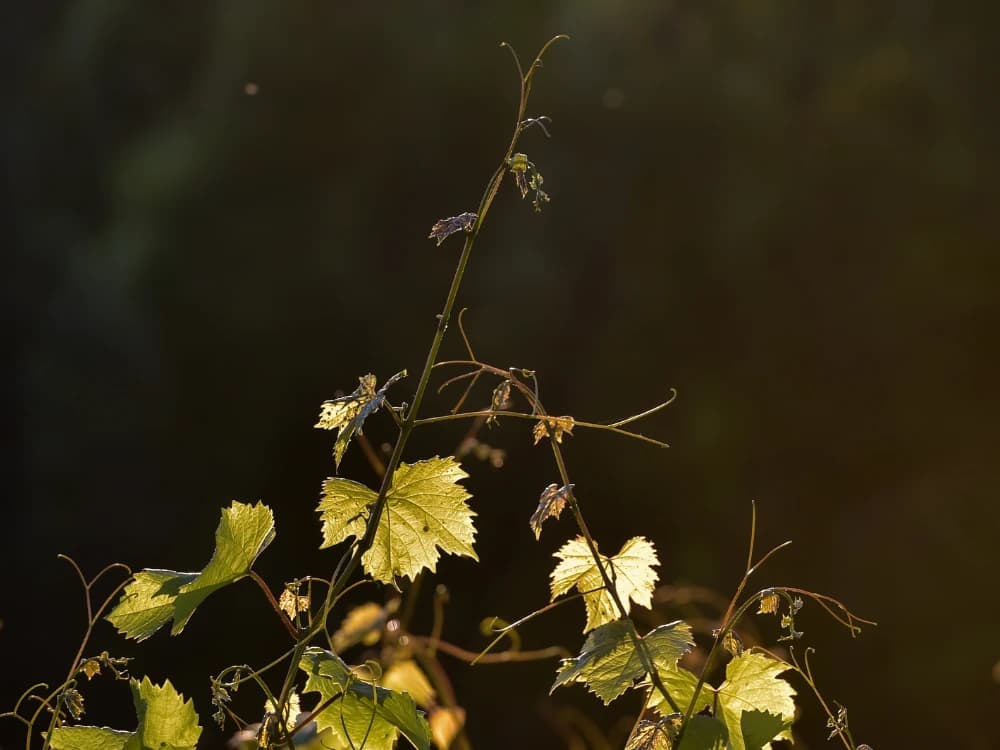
(785, 210)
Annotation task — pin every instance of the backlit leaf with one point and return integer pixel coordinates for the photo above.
(680, 683)
(444, 228)
(347, 414)
(705, 733)
(755, 705)
(500, 401)
(554, 426)
(89, 738)
(652, 735)
(359, 710)
(631, 571)
(550, 505)
(610, 663)
(425, 511)
(289, 714)
(155, 597)
(148, 602)
(363, 624)
(768, 604)
(292, 603)
(406, 677)
(446, 723)
(166, 722)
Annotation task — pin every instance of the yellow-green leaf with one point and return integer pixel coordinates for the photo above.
(705, 733)
(610, 663)
(347, 414)
(155, 597)
(166, 722)
(406, 677)
(446, 723)
(755, 704)
(631, 571)
(425, 511)
(89, 738)
(359, 713)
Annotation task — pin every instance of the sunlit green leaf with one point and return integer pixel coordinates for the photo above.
(446, 722)
(609, 663)
(148, 602)
(631, 571)
(166, 722)
(347, 414)
(89, 738)
(155, 597)
(705, 733)
(754, 703)
(357, 710)
(425, 511)
(680, 683)
(404, 676)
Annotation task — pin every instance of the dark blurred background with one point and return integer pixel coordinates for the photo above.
(786, 211)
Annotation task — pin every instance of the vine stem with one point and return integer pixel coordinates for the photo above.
(92, 618)
(289, 626)
(640, 645)
(539, 412)
(349, 564)
(534, 417)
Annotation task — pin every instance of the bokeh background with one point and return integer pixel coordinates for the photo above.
(784, 210)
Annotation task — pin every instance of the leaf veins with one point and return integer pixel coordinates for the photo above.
(609, 662)
(425, 511)
(755, 705)
(631, 572)
(155, 597)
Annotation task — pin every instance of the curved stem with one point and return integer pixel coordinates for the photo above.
(289, 626)
(640, 646)
(352, 559)
(642, 415)
(500, 658)
(533, 418)
(92, 619)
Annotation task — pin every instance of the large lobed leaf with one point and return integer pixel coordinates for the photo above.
(155, 597)
(358, 712)
(609, 662)
(166, 722)
(754, 705)
(425, 511)
(631, 571)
